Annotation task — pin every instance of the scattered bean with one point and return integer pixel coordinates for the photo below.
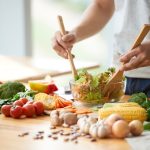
(40, 132)
(76, 142)
(54, 137)
(23, 134)
(49, 136)
(93, 140)
(52, 127)
(66, 139)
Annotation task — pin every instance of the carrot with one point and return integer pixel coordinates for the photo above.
(67, 103)
(61, 103)
(57, 105)
(73, 110)
(83, 111)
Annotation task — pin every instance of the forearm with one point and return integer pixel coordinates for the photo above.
(94, 18)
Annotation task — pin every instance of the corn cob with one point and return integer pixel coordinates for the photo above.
(128, 113)
(128, 104)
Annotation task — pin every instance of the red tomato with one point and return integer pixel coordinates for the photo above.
(51, 89)
(39, 108)
(6, 110)
(29, 110)
(16, 111)
(29, 102)
(18, 103)
(24, 100)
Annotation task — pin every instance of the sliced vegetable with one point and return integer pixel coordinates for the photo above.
(43, 86)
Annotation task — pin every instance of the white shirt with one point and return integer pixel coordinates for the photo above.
(130, 15)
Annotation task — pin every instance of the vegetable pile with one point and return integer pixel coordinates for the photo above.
(88, 88)
(23, 108)
(112, 126)
(29, 94)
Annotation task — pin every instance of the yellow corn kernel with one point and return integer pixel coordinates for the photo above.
(128, 104)
(128, 113)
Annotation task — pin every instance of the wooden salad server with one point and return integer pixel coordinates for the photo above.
(70, 56)
(118, 75)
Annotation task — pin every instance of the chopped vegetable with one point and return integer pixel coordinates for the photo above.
(9, 89)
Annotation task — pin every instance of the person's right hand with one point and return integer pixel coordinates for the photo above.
(62, 43)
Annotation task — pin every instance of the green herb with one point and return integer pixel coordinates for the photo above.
(9, 89)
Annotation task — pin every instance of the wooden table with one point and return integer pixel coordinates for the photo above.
(10, 128)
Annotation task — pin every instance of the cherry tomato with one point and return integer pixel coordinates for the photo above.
(29, 102)
(18, 103)
(28, 110)
(6, 110)
(16, 111)
(39, 108)
(24, 100)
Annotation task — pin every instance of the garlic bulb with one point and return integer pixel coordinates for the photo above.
(92, 119)
(103, 131)
(93, 131)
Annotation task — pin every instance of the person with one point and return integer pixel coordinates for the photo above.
(129, 18)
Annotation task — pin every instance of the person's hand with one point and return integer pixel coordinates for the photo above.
(136, 58)
(62, 43)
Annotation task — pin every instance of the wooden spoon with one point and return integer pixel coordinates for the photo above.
(63, 32)
(118, 76)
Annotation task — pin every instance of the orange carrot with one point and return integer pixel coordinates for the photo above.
(83, 111)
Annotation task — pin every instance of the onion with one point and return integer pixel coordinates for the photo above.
(112, 119)
(136, 127)
(120, 129)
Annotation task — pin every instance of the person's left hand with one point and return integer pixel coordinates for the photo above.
(136, 58)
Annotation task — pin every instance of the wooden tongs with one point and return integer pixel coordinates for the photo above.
(70, 56)
(118, 75)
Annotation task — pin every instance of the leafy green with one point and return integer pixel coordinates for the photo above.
(9, 89)
(139, 98)
(95, 82)
(147, 126)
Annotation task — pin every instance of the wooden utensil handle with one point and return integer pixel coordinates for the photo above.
(143, 33)
(70, 56)
(141, 36)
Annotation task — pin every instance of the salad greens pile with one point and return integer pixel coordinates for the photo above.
(89, 87)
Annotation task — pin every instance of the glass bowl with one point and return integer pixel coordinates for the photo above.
(93, 96)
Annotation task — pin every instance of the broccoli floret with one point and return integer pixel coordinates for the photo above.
(9, 89)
